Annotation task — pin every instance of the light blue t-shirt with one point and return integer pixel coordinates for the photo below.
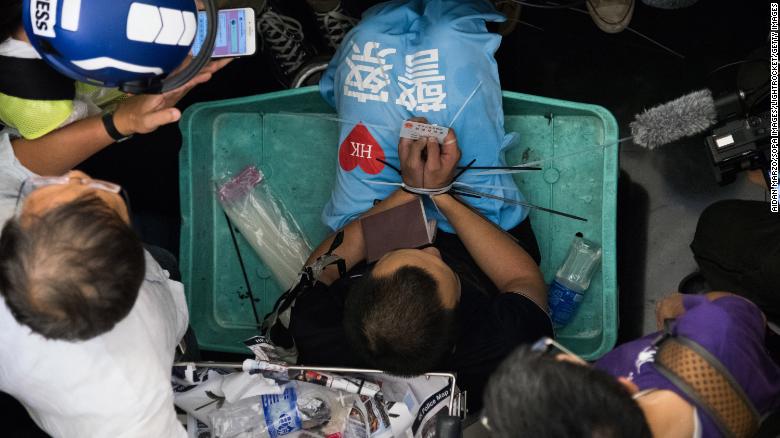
(418, 58)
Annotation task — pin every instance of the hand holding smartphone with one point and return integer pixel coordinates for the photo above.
(235, 33)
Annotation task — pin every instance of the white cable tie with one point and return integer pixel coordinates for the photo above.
(520, 166)
(485, 186)
(465, 104)
(427, 192)
(415, 190)
(382, 183)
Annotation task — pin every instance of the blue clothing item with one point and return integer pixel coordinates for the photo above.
(418, 58)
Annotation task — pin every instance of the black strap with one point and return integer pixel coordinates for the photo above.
(280, 334)
(689, 390)
(108, 123)
(33, 79)
(340, 263)
(249, 294)
(337, 241)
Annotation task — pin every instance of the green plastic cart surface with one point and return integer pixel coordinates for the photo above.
(298, 155)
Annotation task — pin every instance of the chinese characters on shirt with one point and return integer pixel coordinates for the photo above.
(421, 83)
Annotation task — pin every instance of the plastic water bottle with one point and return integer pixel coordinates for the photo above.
(572, 280)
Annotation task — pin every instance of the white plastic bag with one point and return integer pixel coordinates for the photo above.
(265, 223)
(302, 410)
(214, 387)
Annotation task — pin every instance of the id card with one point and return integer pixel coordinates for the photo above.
(416, 131)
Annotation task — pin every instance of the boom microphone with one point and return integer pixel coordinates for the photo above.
(688, 115)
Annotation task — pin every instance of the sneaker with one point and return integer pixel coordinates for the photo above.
(283, 41)
(335, 25)
(611, 16)
(311, 72)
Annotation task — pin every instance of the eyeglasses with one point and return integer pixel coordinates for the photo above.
(544, 346)
(34, 183)
(549, 346)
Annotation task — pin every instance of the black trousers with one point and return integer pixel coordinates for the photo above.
(457, 257)
(737, 248)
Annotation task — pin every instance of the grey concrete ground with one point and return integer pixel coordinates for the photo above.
(561, 54)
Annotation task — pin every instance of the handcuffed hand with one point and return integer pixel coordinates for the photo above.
(425, 163)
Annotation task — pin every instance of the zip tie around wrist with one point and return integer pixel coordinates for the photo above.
(426, 192)
(413, 190)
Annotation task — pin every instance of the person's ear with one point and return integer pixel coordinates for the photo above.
(432, 250)
(629, 385)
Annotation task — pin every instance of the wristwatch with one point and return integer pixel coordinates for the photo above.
(108, 123)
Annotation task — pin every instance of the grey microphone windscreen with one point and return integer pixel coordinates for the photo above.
(688, 115)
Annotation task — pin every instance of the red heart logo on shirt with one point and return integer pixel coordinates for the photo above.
(361, 149)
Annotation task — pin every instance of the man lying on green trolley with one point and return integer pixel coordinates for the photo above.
(466, 301)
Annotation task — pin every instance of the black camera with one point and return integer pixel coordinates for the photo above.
(738, 144)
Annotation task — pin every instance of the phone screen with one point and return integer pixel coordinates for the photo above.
(231, 33)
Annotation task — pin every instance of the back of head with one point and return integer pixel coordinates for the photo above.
(73, 273)
(398, 323)
(10, 18)
(538, 396)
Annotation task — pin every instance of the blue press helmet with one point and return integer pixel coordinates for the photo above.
(130, 44)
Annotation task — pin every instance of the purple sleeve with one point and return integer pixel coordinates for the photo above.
(727, 317)
(691, 301)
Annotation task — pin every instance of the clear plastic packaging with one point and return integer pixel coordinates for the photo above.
(572, 280)
(325, 412)
(302, 410)
(580, 264)
(267, 416)
(212, 388)
(265, 223)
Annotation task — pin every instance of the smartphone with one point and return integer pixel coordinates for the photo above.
(235, 33)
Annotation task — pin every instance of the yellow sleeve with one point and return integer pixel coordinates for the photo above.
(100, 96)
(33, 118)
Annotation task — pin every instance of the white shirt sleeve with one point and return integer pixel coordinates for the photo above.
(12, 175)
